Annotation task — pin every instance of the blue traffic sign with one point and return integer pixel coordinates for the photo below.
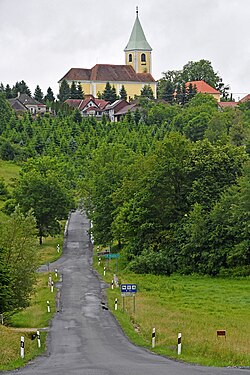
(128, 288)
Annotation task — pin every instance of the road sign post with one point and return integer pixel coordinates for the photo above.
(128, 290)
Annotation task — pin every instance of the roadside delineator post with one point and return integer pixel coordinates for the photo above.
(153, 338)
(49, 280)
(116, 304)
(56, 272)
(99, 261)
(22, 347)
(112, 284)
(104, 271)
(52, 287)
(58, 248)
(179, 343)
(38, 339)
(48, 307)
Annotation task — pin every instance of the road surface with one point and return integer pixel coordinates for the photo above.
(85, 339)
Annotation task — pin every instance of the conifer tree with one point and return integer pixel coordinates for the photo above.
(147, 92)
(80, 91)
(113, 97)
(22, 88)
(38, 94)
(123, 93)
(50, 95)
(64, 91)
(107, 93)
(73, 91)
(8, 92)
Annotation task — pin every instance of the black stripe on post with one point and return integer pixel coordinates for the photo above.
(179, 340)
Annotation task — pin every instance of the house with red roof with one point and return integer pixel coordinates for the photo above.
(133, 75)
(204, 88)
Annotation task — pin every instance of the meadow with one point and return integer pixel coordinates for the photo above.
(193, 305)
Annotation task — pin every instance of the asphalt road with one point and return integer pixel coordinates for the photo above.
(84, 339)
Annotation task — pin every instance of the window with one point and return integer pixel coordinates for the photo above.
(143, 57)
(130, 57)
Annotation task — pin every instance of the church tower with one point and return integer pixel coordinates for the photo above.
(138, 51)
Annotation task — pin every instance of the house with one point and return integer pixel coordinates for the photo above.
(89, 106)
(204, 88)
(24, 103)
(133, 75)
(223, 105)
(18, 107)
(122, 112)
(115, 107)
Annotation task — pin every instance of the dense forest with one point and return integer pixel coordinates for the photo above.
(168, 185)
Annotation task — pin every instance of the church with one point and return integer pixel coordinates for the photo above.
(134, 74)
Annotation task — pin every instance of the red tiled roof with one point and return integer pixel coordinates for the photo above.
(107, 73)
(101, 103)
(245, 99)
(73, 102)
(77, 74)
(203, 87)
(227, 104)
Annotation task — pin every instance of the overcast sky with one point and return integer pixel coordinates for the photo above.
(40, 40)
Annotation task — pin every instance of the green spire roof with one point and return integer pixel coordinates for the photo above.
(137, 39)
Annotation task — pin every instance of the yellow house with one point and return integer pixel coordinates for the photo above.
(134, 75)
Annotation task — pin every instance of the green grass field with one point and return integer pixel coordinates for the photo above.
(9, 171)
(33, 317)
(195, 306)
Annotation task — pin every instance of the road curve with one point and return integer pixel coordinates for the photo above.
(84, 339)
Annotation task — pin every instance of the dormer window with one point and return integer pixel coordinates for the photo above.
(143, 57)
(130, 57)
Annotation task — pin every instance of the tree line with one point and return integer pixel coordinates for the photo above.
(168, 185)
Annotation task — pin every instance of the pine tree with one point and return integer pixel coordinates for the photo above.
(80, 91)
(38, 94)
(113, 97)
(50, 96)
(107, 93)
(22, 88)
(123, 93)
(147, 92)
(64, 91)
(73, 91)
(8, 92)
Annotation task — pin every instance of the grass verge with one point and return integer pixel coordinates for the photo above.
(195, 306)
(35, 316)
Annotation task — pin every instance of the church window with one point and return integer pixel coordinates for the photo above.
(143, 57)
(130, 57)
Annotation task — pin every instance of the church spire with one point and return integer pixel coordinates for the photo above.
(137, 40)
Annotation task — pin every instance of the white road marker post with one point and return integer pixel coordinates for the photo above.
(153, 338)
(58, 248)
(52, 287)
(50, 280)
(112, 284)
(116, 304)
(56, 272)
(22, 347)
(104, 271)
(38, 339)
(48, 307)
(179, 343)
(99, 261)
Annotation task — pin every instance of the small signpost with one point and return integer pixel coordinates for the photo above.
(128, 290)
(221, 333)
(113, 256)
